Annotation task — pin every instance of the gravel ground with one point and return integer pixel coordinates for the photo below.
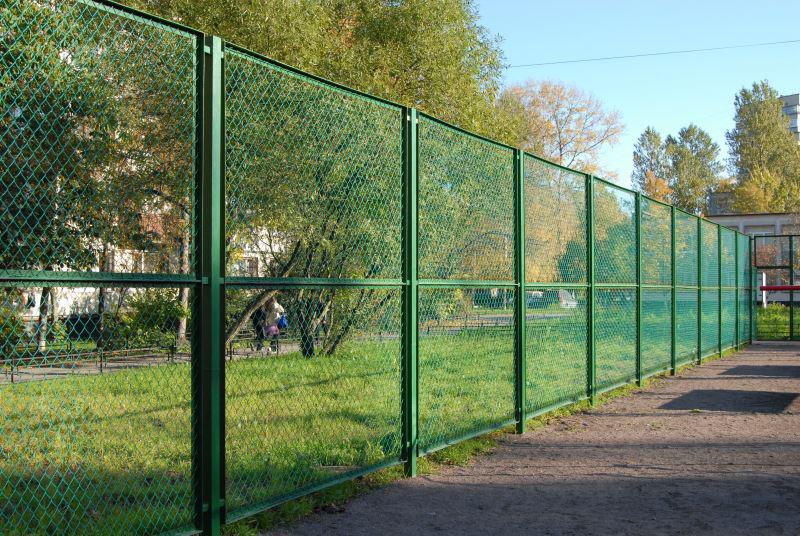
(713, 451)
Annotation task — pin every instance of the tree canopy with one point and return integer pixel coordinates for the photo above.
(764, 156)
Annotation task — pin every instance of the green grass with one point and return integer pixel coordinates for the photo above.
(112, 452)
(772, 322)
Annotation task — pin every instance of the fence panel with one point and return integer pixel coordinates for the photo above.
(615, 234)
(710, 294)
(555, 198)
(104, 315)
(466, 208)
(557, 317)
(615, 264)
(615, 336)
(466, 363)
(656, 330)
(314, 196)
(96, 298)
(728, 284)
(466, 331)
(686, 325)
(656, 237)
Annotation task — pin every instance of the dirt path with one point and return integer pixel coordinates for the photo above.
(714, 451)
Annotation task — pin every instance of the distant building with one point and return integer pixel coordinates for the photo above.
(791, 109)
(755, 224)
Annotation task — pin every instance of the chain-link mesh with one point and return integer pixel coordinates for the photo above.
(98, 158)
(96, 397)
(743, 261)
(466, 209)
(466, 362)
(656, 330)
(615, 234)
(556, 347)
(100, 164)
(313, 398)
(685, 325)
(95, 101)
(710, 254)
(554, 199)
(728, 266)
(728, 318)
(656, 238)
(771, 251)
(686, 250)
(744, 315)
(772, 321)
(615, 336)
(709, 322)
(313, 177)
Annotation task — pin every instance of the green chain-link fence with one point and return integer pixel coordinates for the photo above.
(225, 283)
(776, 263)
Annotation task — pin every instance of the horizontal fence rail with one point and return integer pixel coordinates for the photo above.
(226, 283)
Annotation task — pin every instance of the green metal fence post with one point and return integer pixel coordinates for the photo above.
(521, 312)
(639, 289)
(719, 290)
(409, 320)
(209, 389)
(673, 263)
(590, 362)
(738, 292)
(753, 293)
(791, 292)
(699, 290)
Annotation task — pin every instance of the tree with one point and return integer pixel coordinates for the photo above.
(649, 156)
(765, 158)
(693, 168)
(657, 188)
(560, 122)
(431, 54)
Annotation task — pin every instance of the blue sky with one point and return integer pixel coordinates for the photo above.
(664, 92)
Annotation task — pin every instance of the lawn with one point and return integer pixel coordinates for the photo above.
(112, 452)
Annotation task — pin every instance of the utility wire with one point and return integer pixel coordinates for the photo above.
(649, 54)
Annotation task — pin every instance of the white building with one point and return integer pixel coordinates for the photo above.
(791, 109)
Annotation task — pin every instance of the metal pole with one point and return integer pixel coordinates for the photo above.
(410, 297)
(719, 289)
(521, 308)
(639, 373)
(736, 284)
(209, 389)
(673, 344)
(753, 294)
(699, 290)
(590, 339)
(791, 292)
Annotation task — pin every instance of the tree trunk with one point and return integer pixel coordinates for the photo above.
(183, 292)
(44, 315)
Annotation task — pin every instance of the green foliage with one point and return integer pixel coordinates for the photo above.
(148, 318)
(53, 141)
(432, 54)
(12, 331)
(765, 157)
(649, 154)
(693, 168)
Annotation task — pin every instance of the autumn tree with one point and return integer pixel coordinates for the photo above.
(765, 157)
(560, 122)
(649, 161)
